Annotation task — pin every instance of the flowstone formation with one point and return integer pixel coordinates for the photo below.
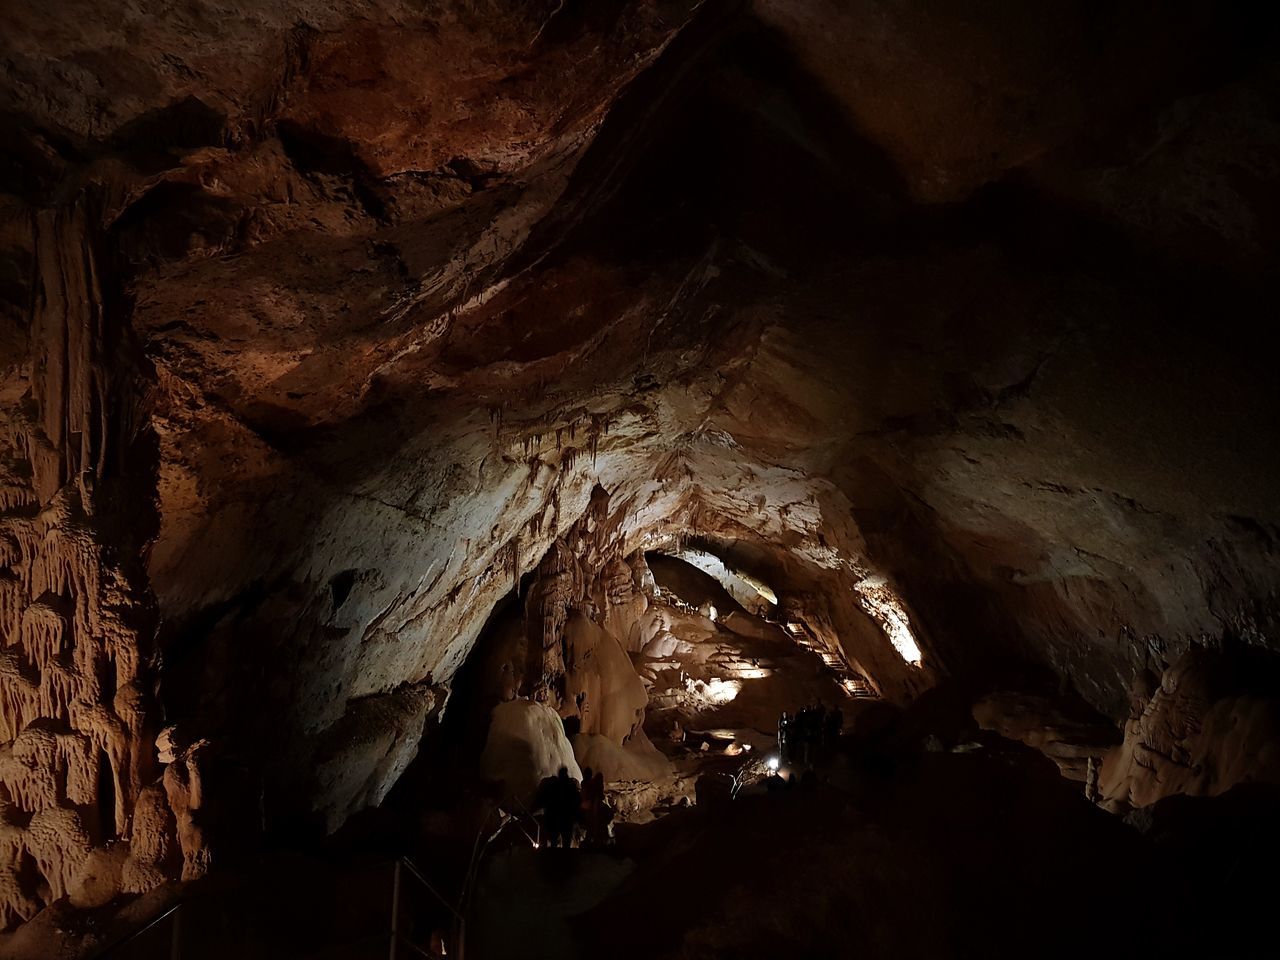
(568, 646)
(77, 665)
(327, 326)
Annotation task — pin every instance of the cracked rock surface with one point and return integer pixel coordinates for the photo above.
(323, 325)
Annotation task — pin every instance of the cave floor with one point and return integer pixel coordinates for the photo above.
(525, 900)
(845, 866)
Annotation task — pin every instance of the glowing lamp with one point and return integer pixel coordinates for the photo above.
(772, 763)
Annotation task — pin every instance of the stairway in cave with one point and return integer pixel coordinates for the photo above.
(854, 683)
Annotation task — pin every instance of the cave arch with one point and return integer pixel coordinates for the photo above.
(339, 338)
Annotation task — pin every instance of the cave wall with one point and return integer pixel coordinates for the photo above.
(77, 710)
(323, 323)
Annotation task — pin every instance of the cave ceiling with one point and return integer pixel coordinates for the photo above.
(978, 303)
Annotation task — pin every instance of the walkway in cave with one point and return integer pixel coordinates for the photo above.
(719, 676)
(525, 900)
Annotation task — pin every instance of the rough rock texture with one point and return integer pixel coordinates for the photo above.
(1068, 733)
(526, 744)
(726, 681)
(322, 322)
(77, 715)
(1212, 723)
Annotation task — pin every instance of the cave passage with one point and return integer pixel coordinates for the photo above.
(842, 435)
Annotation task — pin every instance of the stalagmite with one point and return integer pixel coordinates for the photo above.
(16, 902)
(152, 842)
(60, 844)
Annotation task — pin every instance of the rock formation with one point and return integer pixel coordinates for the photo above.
(1210, 724)
(327, 326)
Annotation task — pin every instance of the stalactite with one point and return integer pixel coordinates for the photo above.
(495, 427)
(578, 570)
(78, 758)
(65, 609)
(30, 770)
(12, 600)
(59, 689)
(10, 550)
(43, 635)
(14, 497)
(120, 645)
(19, 697)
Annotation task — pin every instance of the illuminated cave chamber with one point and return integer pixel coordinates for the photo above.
(401, 401)
(648, 667)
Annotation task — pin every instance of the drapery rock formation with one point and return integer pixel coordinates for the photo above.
(1210, 724)
(323, 325)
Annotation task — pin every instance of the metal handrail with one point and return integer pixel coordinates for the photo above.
(130, 937)
(413, 869)
(394, 934)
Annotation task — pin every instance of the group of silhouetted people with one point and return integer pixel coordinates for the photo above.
(810, 732)
(566, 806)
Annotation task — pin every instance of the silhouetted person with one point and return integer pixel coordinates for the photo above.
(597, 813)
(561, 800)
(571, 804)
(835, 726)
(811, 732)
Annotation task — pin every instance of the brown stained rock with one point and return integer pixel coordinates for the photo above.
(152, 846)
(361, 756)
(524, 745)
(1064, 732)
(184, 792)
(324, 326)
(601, 683)
(1211, 724)
(77, 751)
(957, 96)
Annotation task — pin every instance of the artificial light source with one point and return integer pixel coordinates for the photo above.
(772, 763)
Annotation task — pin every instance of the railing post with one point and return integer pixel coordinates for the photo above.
(175, 935)
(395, 910)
